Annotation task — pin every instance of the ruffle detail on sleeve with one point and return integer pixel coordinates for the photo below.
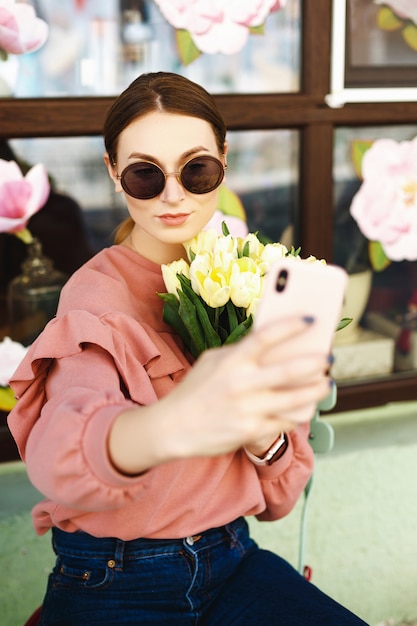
(136, 349)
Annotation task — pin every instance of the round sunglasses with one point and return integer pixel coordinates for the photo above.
(144, 180)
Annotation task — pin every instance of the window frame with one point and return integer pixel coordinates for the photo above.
(305, 111)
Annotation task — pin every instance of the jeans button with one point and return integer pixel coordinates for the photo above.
(192, 539)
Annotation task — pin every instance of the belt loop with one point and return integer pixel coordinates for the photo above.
(232, 534)
(232, 530)
(119, 553)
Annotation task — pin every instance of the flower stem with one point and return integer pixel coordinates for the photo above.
(25, 235)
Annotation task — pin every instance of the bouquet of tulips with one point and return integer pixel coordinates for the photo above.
(212, 298)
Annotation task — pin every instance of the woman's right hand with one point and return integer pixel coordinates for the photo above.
(244, 394)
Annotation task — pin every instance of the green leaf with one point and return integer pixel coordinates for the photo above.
(293, 251)
(240, 331)
(345, 321)
(187, 49)
(246, 249)
(377, 256)
(211, 337)
(171, 316)
(410, 36)
(359, 147)
(169, 297)
(188, 315)
(231, 316)
(214, 315)
(257, 30)
(225, 229)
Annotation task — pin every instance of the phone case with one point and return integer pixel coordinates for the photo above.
(307, 289)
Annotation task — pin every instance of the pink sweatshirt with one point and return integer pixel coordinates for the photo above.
(108, 348)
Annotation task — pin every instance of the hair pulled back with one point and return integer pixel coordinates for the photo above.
(158, 91)
(165, 92)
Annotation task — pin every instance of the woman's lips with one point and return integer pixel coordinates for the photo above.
(174, 219)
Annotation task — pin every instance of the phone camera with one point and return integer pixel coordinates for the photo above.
(281, 280)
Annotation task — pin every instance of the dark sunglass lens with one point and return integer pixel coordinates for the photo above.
(143, 180)
(202, 174)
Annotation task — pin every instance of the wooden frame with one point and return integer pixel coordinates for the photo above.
(367, 82)
(306, 112)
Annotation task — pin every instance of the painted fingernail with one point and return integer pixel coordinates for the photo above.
(308, 319)
(330, 359)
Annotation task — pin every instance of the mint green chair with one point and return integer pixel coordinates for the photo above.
(322, 440)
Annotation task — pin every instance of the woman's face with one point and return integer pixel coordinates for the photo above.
(175, 215)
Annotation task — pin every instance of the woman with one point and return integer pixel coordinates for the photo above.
(149, 465)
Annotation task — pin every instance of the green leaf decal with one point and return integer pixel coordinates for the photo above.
(377, 256)
(187, 49)
(359, 147)
(387, 20)
(410, 36)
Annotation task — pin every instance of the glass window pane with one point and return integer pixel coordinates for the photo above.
(97, 48)
(372, 45)
(84, 210)
(379, 49)
(392, 305)
(262, 170)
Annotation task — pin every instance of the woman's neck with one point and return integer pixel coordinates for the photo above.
(160, 254)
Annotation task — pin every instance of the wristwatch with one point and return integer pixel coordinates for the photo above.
(274, 453)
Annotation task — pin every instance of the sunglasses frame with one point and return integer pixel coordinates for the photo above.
(205, 157)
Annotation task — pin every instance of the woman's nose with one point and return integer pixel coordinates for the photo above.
(173, 190)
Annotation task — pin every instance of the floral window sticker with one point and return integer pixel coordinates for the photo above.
(374, 51)
(216, 26)
(21, 30)
(399, 15)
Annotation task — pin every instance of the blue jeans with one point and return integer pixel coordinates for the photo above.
(218, 578)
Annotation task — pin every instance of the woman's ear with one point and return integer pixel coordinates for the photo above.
(225, 151)
(112, 170)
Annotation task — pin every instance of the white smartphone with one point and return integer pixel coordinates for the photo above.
(307, 289)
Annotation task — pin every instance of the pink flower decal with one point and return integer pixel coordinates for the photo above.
(385, 207)
(218, 25)
(20, 196)
(11, 354)
(20, 29)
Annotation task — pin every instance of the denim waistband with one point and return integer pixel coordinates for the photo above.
(81, 543)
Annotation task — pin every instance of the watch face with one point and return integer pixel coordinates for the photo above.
(277, 450)
(273, 454)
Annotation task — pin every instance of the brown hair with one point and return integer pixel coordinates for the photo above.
(159, 91)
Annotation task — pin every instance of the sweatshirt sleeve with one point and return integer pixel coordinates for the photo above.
(75, 380)
(283, 482)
